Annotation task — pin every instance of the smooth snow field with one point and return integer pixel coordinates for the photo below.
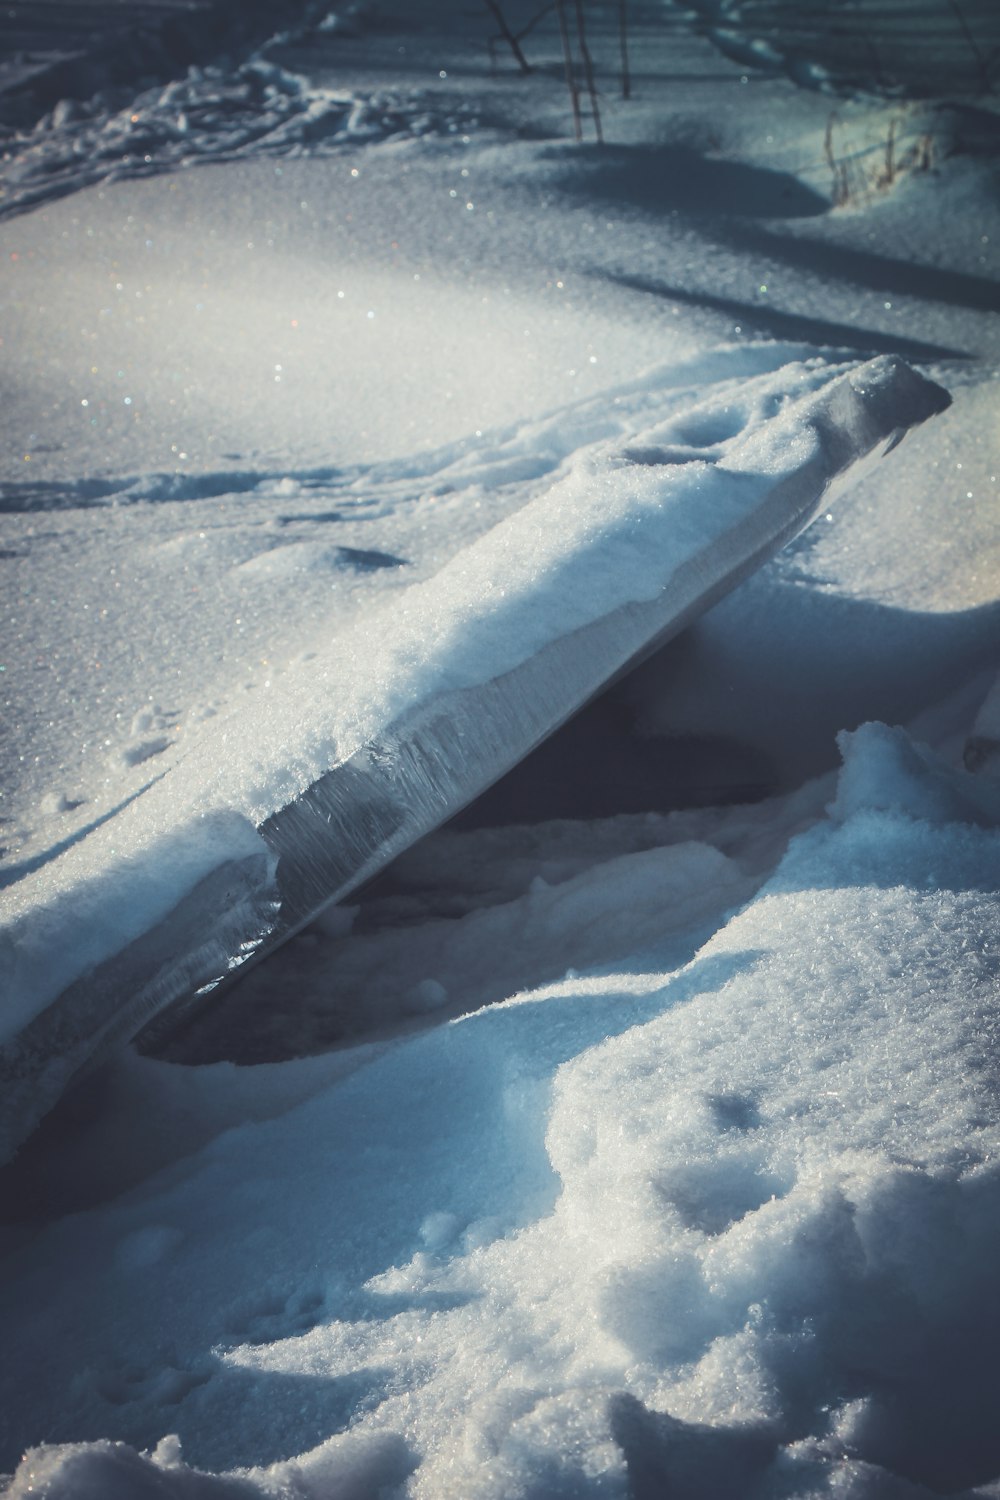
(635, 1132)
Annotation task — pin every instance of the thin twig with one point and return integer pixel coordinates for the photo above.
(508, 36)
(574, 93)
(588, 69)
(623, 39)
(538, 16)
(973, 46)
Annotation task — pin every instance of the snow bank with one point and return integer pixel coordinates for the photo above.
(722, 1228)
(220, 111)
(358, 751)
(214, 114)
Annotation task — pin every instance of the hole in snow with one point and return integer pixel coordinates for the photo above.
(598, 765)
(714, 1194)
(735, 1111)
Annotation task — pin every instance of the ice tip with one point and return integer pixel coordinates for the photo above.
(890, 373)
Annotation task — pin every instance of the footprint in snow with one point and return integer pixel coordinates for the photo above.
(267, 1318)
(55, 803)
(152, 731)
(284, 561)
(159, 1385)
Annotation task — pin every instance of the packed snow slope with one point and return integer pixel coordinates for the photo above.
(626, 1138)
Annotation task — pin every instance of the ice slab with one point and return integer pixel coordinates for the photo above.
(292, 804)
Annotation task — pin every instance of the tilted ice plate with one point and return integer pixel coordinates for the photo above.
(473, 670)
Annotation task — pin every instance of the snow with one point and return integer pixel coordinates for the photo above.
(741, 1189)
(624, 1137)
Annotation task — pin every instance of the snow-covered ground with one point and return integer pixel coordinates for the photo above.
(637, 1133)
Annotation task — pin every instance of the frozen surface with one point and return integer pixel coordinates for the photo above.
(641, 1143)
